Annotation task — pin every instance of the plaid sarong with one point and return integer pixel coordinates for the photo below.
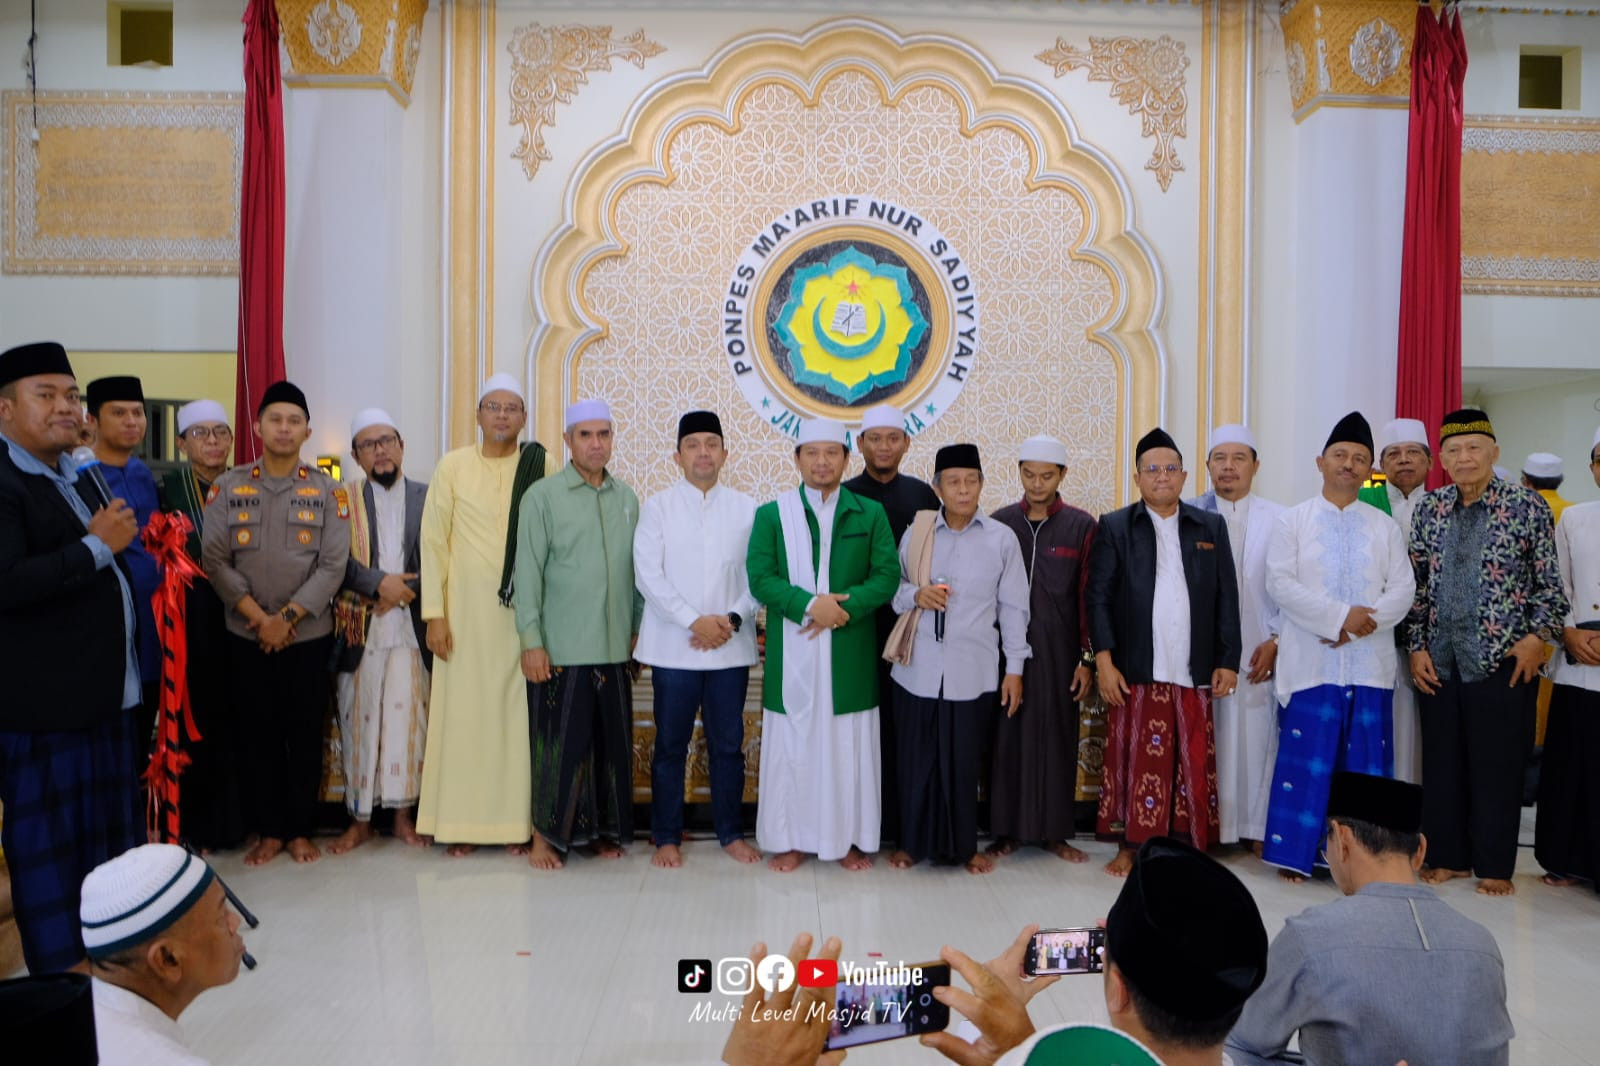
(71, 803)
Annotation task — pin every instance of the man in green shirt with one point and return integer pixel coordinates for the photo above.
(578, 616)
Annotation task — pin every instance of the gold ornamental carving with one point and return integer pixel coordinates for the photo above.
(706, 159)
(372, 44)
(1348, 53)
(1147, 76)
(1523, 231)
(548, 66)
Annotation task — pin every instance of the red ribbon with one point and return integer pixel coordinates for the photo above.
(166, 537)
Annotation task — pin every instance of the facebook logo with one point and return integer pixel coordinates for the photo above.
(775, 973)
(694, 975)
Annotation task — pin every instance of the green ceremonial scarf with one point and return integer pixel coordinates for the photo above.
(530, 468)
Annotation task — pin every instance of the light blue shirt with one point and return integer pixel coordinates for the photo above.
(65, 475)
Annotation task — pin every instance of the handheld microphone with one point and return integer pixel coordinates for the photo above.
(89, 469)
(938, 616)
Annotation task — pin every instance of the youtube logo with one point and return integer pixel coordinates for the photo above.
(819, 973)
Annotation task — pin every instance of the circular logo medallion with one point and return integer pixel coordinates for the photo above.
(844, 303)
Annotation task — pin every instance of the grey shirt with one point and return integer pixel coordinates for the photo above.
(281, 540)
(1387, 974)
(982, 564)
(1455, 642)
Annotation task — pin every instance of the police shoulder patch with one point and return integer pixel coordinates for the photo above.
(341, 496)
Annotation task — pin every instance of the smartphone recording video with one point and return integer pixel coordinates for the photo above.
(898, 1005)
(1064, 951)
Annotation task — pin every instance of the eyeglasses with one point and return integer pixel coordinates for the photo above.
(1156, 471)
(500, 408)
(207, 433)
(387, 442)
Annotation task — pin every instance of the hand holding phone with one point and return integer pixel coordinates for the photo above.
(901, 1005)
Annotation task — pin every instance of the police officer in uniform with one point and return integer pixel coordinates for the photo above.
(276, 539)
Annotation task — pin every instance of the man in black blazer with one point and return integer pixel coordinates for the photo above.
(383, 672)
(69, 729)
(1163, 609)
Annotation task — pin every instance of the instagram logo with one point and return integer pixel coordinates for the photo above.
(735, 976)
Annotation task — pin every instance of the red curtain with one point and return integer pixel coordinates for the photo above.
(1428, 382)
(260, 226)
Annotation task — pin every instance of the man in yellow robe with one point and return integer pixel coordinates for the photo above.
(476, 785)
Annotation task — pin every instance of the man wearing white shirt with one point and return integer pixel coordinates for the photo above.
(1566, 836)
(1340, 574)
(1405, 458)
(698, 634)
(1246, 722)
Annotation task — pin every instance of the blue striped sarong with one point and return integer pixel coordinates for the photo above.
(71, 803)
(1321, 731)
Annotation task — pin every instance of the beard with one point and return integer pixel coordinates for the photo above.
(387, 478)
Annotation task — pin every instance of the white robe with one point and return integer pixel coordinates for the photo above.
(1246, 723)
(132, 1031)
(819, 770)
(1407, 725)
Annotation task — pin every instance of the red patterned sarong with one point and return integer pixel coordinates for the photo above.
(1161, 767)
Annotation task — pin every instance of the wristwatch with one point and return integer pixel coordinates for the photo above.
(1087, 658)
(288, 615)
(735, 621)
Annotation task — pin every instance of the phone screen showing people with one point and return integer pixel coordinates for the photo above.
(902, 1005)
(1062, 951)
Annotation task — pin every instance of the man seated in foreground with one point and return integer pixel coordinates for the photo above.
(1185, 948)
(1389, 972)
(159, 931)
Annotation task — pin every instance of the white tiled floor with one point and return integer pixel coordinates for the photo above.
(394, 957)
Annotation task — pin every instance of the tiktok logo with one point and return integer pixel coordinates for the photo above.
(694, 975)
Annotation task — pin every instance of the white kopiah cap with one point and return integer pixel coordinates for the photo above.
(502, 383)
(1042, 449)
(1233, 433)
(883, 416)
(1402, 431)
(823, 431)
(197, 411)
(588, 411)
(138, 895)
(372, 416)
(1542, 464)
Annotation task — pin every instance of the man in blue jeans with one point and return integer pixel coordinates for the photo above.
(698, 634)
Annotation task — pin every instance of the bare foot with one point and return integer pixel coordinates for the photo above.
(1438, 875)
(1002, 846)
(1119, 866)
(787, 862)
(456, 851)
(667, 855)
(741, 851)
(405, 829)
(855, 860)
(1496, 886)
(264, 851)
(518, 850)
(980, 863)
(902, 860)
(1062, 850)
(1256, 847)
(1553, 880)
(358, 834)
(541, 856)
(605, 849)
(302, 850)
(1294, 877)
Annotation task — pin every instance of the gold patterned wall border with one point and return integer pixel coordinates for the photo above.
(996, 163)
(352, 44)
(1348, 53)
(1524, 229)
(549, 64)
(1147, 76)
(122, 183)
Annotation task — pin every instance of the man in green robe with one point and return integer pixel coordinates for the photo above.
(822, 560)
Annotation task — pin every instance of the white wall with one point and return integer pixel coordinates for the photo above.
(117, 313)
(1559, 418)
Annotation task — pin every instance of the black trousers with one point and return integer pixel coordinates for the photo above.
(283, 703)
(938, 750)
(1474, 744)
(888, 774)
(1566, 836)
(580, 731)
